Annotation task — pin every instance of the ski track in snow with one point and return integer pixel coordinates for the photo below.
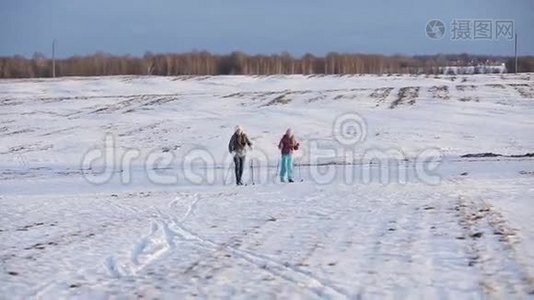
(469, 237)
(426, 244)
(153, 246)
(167, 230)
(492, 248)
(272, 266)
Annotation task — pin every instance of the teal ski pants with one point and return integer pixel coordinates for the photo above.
(286, 166)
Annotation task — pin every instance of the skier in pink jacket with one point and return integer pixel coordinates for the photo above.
(287, 145)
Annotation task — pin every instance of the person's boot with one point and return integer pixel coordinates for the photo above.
(282, 179)
(290, 180)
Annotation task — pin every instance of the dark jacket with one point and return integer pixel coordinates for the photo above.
(238, 142)
(288, 144)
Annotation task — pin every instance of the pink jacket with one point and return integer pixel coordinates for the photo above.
(288, 144)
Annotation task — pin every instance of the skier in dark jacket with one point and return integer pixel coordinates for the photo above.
(287, 145)
(237, 147)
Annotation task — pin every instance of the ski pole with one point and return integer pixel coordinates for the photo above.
(225, 179)
(277, 172)
(252, 171)
(300, 174)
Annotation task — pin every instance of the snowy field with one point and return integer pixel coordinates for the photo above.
(120, 187)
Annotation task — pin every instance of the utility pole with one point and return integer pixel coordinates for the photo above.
(516, 53)
(54, 58)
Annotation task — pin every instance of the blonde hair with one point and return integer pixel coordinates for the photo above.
(289, 132)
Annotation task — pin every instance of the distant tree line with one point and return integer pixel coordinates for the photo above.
(236, 63)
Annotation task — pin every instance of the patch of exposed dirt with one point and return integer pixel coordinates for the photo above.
(28, 148)
(154, 102)
(319, 97)
(466, 87)
(348, 96)
(233, 95)
(9, 102)
(117, 106)
(149, 127)
(381, 94)
(491, 154)
(36, 224)
(16, 132)
(468, 99)
(440, 92)
(54, 132)
(490, 247)
(279, 100)
(525, 90)
(60, 99)
(496, 85)
(406, 95)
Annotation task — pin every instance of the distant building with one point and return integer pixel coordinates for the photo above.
(478, 69)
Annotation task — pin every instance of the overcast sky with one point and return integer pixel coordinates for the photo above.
(254, 26)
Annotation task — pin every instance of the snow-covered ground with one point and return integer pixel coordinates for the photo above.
(121, 187)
